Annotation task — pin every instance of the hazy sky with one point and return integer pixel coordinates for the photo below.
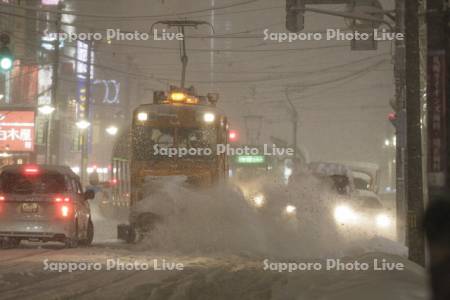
(342, 96)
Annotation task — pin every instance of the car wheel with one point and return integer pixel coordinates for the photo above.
(72, 242)
(132, 234)
(9, 243)
(14, 242)
(89, 234)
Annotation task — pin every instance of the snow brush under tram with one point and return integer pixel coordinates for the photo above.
(177, 119)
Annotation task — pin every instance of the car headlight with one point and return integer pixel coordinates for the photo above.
(344, 214)
(258, 200)
(383, 221)
(142, 116)
(290, 209)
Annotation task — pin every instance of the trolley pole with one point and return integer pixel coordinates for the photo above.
(294, 122)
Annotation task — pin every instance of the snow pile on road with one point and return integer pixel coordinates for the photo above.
(250, 282)
(220, 220)
(105, 228)
(212, 220)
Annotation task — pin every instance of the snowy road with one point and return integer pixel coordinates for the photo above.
(214, 250)
(23, 276)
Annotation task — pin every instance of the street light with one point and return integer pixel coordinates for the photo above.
(83, 124)
(112, 130)
(46, 109)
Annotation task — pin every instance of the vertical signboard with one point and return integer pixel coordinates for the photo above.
(437, 119)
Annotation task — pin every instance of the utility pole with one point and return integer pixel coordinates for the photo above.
(128, 104)
(294, 121)
(415, 235)
(400, 122)
(53, 132)
(85, 131)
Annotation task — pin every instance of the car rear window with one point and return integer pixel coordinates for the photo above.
(44, 183)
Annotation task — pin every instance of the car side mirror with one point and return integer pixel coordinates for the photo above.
(89, 194)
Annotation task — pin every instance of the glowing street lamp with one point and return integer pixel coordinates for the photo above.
(83, 124)
(112, 130)
(46, 109)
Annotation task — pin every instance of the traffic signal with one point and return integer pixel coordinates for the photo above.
(295, 17)
(372, 8)
(393, 118)
(393, 115)
(6, 59)
(233, 135)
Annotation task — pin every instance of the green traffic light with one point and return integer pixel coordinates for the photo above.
(6, 59)
(6, 63)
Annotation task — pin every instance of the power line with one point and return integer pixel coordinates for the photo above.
(65, 12)
(288, 77)
(213, 50)
(209, 15)
(352, 76)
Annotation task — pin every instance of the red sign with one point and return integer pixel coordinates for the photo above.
(17, 131)
(437, 119)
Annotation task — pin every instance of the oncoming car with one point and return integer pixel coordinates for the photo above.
(365, 210)
(354, 208)
(44, 203)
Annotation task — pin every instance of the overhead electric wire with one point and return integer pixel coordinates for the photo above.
(303, 73)
(222, 50)
(208, 15)
(165, 80)
(73, 13)
(326, 82)
(275, 79)
(113, 52)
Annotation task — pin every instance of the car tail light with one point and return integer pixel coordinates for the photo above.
(62, 199)
(2, 199)
(63, 206)
(65, 211)
(31, 170)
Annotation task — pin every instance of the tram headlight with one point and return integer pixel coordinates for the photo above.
(209, 117)
(142, 116)
(258, 200)
(290, 209)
